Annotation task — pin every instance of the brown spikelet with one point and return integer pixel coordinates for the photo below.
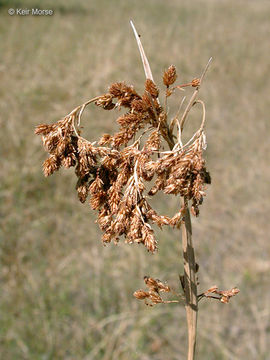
(82, 188)
(82, 192)
(114, 195)
(98, 199)
(134, 234)
(155, 297)
(118, 89)
(151, 283)
(87, 158)
(51, 142)
(96, 186)
(169, 76)
(162, 287)
(105, 139)
(62, 146)
(129, 120)
(69, 160)
(43, 129)
(124, 93)
(212, 289)
(227, 294)
(105, 101)
(176, 219)
(51, 165)
(148, 238)
(153, 142)
(139, 105)
(104, 218)
(140, 294)
(107, 237)
(195, 82)
(151, 88)
(121, 138)
(159, 183)
(146, 100)
(159, 220)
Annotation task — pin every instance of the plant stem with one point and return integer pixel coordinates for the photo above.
(190, 282)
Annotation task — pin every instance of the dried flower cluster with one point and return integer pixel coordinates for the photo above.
(155, 287)
(152, 296)
(221, 295)
(114, 171)
(119, 174)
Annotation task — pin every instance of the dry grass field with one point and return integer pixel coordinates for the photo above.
(64, 295)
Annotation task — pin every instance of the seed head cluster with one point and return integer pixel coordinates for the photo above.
(153, 295)
(113, 172)
(223, 296)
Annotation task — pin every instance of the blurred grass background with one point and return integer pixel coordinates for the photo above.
(64, 295)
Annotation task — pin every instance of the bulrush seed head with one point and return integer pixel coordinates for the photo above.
(169, 76)
(113, 171)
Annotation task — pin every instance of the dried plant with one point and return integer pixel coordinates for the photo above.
(153, 296)
(113, 173)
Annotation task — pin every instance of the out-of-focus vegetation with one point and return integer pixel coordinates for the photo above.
(65, 296)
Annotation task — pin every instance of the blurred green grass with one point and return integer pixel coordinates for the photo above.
(65, 296)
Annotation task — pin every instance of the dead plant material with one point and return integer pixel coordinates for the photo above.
(113, 172)
(222, 295)
(152, 296)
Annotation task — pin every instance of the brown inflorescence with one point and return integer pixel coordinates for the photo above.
(151, 88)
(153, 296)
(223, 296)
(169, 76)
(114, 171)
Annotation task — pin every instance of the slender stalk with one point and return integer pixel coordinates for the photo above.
(190, 284)
(194, 96)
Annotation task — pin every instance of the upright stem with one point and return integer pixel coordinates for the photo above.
(190, 284)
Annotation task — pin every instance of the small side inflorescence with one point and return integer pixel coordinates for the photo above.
(113, 171)
(222, 295)
(153, 295)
